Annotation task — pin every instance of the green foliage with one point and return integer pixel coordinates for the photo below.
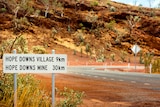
(19, 43)
(156, 66)
(37, 12)
(141, 58)
(70, 98)
(123, 56)
(81, 52)
(152, 14)
(100, 57)
(112, 9)
(91, 17)
(132, 21)
(3, 10)
(38, 49)
(54, 32)
(22, 7)
(79, 38)
(82, 26)
(112, 56)
(74, 52)
(108, 45)
(147, 60)
(110, 25)
(88, 48)
(94, 3)
(29, 92)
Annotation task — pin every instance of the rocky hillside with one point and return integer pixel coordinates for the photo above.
(98, 27)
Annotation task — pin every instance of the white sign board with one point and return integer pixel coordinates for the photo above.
(34, 63)
(135, 49)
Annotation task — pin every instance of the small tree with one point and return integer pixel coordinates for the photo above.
(19, 6)
(88, 49)
(132, 21)
(46, 4)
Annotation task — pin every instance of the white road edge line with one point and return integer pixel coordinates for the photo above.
(133, 81)
(104, 78)
(96, 76)
(146, 84)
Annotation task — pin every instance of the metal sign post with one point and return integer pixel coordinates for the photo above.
(135, 50)
(15, 84)
(53, 85)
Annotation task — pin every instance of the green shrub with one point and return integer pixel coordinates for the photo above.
(38, 49)
(19, 43)
(94, 3)
(54, 32)
(147, 61)
(123, 56)
(74, 52)
(110, 25)
(141, 61)
(112, 9)
(88, 48)
(81, 52)
(156, 66)
(112, 57)
(29, 93)
(3, 9)
(70, 98)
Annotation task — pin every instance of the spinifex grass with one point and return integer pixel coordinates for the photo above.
(29, 93)
(156, 66)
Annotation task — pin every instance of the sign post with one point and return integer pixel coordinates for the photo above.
(135, 50)
(53, 85)
(15, 84)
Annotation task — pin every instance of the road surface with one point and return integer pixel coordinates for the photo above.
(149, 81)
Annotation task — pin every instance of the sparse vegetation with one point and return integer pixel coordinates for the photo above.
(46, 3)
(112, 9)
(112, 56)
(70, 98)
(141, 61)
(19, 43)
(94, 3)
(110, 25)
(38, 50)
(88, 48)
(147, 61)
(123, 56)
(74, 52)
(29, 92)
(156, 66)
(100, 57)
(132, 22)
(81, 52)
(54, 32)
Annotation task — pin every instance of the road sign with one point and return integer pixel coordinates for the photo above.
(135, 49)
(34, 63)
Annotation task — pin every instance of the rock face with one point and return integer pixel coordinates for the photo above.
(97, 21)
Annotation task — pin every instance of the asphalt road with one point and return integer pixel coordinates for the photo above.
(148, 81)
